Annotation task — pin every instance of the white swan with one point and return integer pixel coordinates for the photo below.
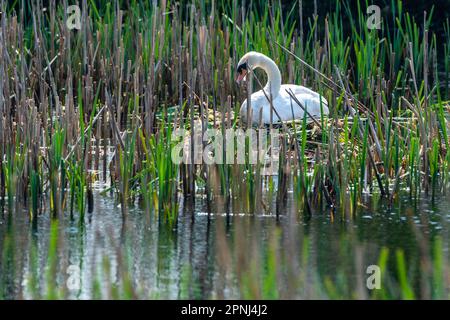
(285, 106)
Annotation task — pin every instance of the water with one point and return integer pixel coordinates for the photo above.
(212, 255)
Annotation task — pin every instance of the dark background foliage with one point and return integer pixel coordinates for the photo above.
(414, 7)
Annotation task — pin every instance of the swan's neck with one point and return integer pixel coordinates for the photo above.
(273, 75)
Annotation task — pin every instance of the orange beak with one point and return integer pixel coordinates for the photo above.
(241, 76)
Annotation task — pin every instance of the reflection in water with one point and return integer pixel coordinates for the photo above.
(235, 255)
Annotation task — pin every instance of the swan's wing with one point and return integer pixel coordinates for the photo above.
(309, 99)
(299, 90)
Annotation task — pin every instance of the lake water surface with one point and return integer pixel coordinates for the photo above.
(215, 255)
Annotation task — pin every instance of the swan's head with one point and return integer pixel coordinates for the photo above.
(241, 72)
(249, 61)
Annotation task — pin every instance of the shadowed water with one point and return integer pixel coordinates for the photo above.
(215, 255)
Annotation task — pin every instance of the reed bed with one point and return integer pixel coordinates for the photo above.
(102, 103)
(100, 106)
